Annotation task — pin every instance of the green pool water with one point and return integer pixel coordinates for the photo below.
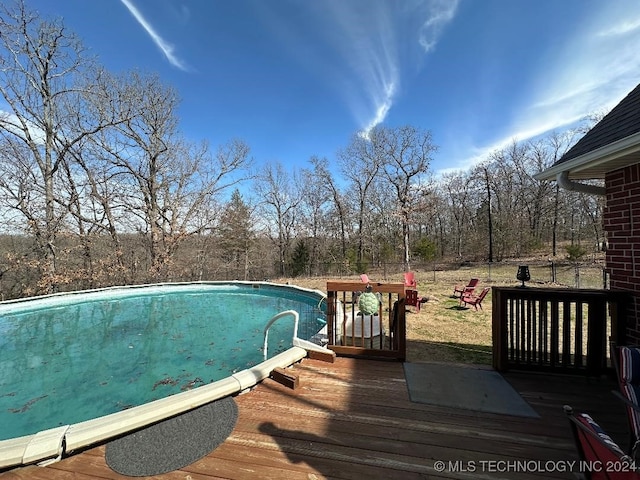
(69, 358)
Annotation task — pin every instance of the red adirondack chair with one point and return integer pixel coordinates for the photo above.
(410, 279)
(475, 300)
(412, 298)
(460, 290)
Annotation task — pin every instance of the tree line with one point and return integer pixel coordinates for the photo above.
(98, 186)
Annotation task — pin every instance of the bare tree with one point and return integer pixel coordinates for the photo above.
(504, 199)
(360, 163)
(314, 207)
(96, 198)
(539, 204)
(407, 153)
(557, 145)
(327, 187)
(458, 193)
(280, 198)
(383, 233)
(487, 206)
(43, 70)
(169, 183)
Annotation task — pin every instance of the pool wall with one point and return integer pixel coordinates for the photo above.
(50, 445)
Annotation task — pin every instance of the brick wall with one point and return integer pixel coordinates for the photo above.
(622, 226)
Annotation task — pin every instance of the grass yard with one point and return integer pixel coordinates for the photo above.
(444, 331)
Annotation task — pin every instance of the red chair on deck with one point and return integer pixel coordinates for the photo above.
(600, 456)
(626, 362)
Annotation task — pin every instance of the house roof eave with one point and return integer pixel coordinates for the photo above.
(596, 163)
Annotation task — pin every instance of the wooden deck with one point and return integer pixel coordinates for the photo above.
(353, 419)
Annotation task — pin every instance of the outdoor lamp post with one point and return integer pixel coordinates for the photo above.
(523, 274)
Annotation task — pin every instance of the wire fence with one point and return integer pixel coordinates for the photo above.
(560, 273)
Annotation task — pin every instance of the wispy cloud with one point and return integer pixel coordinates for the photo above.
(167, 49)
(364, 41)
(365, 49)
(438, 13)
(622, 28)
(384, 105)
(377, 53)
(591, 72)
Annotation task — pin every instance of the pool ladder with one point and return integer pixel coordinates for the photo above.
(297, 342)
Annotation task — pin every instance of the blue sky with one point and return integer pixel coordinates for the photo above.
(297, 78)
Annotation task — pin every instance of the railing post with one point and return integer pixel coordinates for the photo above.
(401, 329)
(597, 336)
(499, 329)
(331, 316)
(618, 310)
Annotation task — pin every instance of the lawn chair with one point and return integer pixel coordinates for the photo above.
(600, 457)
(460, 290)
(410, 279)
(412, 298)
(475, 300)
(626, 362)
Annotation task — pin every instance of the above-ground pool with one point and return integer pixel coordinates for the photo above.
(81, 367)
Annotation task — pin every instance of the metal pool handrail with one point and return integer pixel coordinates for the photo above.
(296, 318)
(296, 341)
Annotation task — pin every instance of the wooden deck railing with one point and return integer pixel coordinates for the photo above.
(382, 335)
(563, 330)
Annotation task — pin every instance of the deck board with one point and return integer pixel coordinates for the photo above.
(353, 419)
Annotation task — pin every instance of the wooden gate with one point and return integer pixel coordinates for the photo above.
(380, 335)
